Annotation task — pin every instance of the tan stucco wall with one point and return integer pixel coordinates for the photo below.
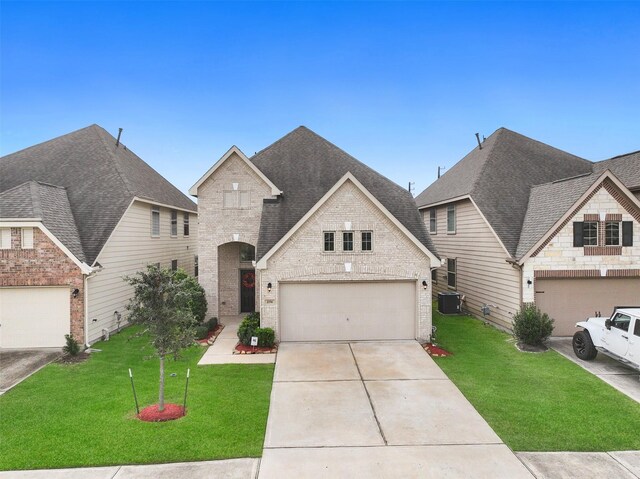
(301, 258)
(560, 254)
(217, 226)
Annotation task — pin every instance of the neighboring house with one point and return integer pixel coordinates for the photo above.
(77, 213)
(517, 221)
(324, 247)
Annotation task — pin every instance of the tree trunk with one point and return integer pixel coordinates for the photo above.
(161, 392)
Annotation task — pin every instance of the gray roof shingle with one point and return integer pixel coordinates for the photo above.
(625, 167)
(499, 178)
(49, 204)
(100, 179)
(305, 166)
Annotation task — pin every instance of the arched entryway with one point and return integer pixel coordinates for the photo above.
(236, 278)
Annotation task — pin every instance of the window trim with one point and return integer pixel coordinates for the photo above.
(186, 223)
(433, 221)
(454, 273)
(362, 241)
(607, 223)
(195, 265)
(584, 231)
(174, 224)
(26, 241)
(174, 265)
(345, 241)
(434, 276)
(155, 218)
(332, 241)
(451, 209)
(5, 238)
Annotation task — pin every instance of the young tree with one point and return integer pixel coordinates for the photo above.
(161, 304)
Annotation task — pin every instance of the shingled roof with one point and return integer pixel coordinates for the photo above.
(305, 167)
(499, 176)
(625, 167)
(100, 180)
(47, 203)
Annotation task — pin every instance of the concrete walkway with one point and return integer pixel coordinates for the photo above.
(612, 372)
(375, 409)
(582, 465)
(221, 351)
(16, 365)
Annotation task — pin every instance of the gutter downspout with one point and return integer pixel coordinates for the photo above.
(86, 306)
(519, 267)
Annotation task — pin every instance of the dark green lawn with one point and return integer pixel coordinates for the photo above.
(84, 414)
(535, 402)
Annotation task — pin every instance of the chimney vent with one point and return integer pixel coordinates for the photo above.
(118, 139)
(478, 138)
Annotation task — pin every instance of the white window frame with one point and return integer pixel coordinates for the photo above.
(451, 225)
(343, 241)
(174, 223)
(5, 238)
(26, 236)
(606, 232)
(174, 265)
(155, 221)
(186, 225)
(333, 241)
(370, 241)
(584, 233)
(452, 273)
(433, 221)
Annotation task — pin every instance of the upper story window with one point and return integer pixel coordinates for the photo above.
(247, 252)
(174, 265)
(185, 224)
(452, 273)
(434, 276)
(5, 238)
(235, 199)
(451, 219)
(590, 233)
(593, 233)
(27, 238)
(612, 233)
(174, 223)
(347, 241)
(329, 241)
(433, 221)
(367, 241)
(155, 221)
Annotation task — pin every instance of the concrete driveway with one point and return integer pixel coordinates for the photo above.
(375, 409)
(612, 372)
(18, 364)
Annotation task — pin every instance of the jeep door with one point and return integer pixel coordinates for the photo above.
(616, 338)
(634, 342)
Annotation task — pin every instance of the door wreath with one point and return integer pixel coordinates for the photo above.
(249, 280)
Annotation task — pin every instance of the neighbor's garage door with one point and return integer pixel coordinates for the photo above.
(33, 317)
(571, 300)
(347, 311)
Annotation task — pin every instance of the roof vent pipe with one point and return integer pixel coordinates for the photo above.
(118, 139)
(478, 138)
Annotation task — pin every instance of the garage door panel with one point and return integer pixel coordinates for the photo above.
(34, 317)
(568, 301)
(347, 311)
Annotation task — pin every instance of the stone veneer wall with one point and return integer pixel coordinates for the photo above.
(44, 265)
(559, 258)
(394, 256)
(217, 226)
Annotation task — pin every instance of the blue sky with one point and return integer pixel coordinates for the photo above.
(403, 87)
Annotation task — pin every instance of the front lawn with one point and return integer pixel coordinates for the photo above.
(534, 402)
(84, 414)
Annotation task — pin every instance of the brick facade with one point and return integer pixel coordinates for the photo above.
(44, 265)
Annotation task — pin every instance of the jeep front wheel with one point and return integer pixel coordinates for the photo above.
(583, 346)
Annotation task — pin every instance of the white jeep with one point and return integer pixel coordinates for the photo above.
(617, 337)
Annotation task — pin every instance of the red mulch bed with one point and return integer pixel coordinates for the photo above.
(211, 335)
(436, 351)
(170, 412)
(242, 349)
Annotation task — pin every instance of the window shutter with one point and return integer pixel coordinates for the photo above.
(627, 233)
(577, 234)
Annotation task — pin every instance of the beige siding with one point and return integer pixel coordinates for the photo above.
(130, 249)
(483, 274)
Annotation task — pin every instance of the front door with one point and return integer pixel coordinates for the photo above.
(247, 291)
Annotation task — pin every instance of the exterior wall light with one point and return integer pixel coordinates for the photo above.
(424, 284)
(75, 293)
(269, 287)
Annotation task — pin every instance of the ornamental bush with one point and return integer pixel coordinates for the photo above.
(531, 326)
(266, 337)
(248, 328)
(72, 348)
(197, 300)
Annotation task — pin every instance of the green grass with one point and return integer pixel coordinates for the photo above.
(84, 414)
(535, 402)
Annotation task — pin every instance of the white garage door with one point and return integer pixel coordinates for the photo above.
(347, 311)
(568, 301)
(33, 317)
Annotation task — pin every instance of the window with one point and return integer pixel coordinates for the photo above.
(247, 252)
(236, 199)
(174, 223)
(451, 273)
(195, 266)
(174, 264)
(612, 233)
(347, 241)
(155, 221)
(329, 241)
(590, 233)
(27, 238)
(621, 321)
(367, 241)
(185, 224)
(5, 238)
(433, 222)
(434, 276)
(636, 329)
(451, 219)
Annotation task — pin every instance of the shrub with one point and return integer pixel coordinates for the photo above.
(202, 331)
(72, 348)
(248, 328)
(212, 323)
(197, 300)
(532, 326)
(266, 337)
